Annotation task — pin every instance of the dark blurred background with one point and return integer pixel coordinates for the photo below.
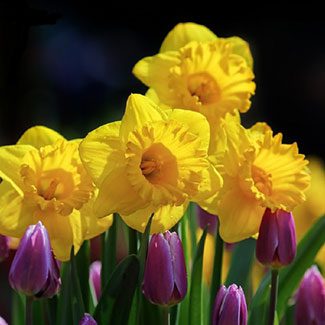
(68, 66)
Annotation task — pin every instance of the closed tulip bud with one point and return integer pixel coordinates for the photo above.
(4, 247)
(34, 270)
(87, 320)
(165, 280)
(310, 299)
(230, 306)
(95, 280)
(276, 243)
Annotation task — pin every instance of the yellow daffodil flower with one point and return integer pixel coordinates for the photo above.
(153, 161)
(198, 71)
(44, 180)
(259, 172)
(308, 212)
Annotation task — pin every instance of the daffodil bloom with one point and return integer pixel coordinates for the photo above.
(259, 172)
(307, 213)
(198, 71)
(44, 180)
(153, 161)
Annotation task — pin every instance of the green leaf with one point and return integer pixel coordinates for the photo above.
(115, 303)
(142, 254)
(64, 315)
(290, 276)
(108, 251)
(241, 263)
(77, 303)
(83, 261)
(307, 250)
(195, 306)
(18, 308)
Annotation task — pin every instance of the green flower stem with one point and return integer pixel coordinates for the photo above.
(217, 270)
(29, 311)
(273, 295)
(165, 315)
(133, 241)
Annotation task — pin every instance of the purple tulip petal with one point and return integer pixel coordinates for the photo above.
(243, 307)
(287, 237)
(217, 304)
(267, 241)
(230, 309)
(34, 271)
(178, 262)
(206, 219)
(158, 278)
(87, 320)
(95, 279)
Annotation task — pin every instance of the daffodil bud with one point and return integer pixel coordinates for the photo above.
(95, 280)
(230, 306)
(87, 320)
(276, 243)
(165, 280)
(310, 299)
(34, 270)
(4, 247)
(206, 219)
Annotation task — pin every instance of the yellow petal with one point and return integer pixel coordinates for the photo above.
(196, 122)
(39, 136)
(184, 33)
(14, 215)
(10, 163)
(165, 218)
(139, 111)
(239, 215)
(117, 195)
(93, 225)
(153, 71)
(209, 189)
(64, 231)
(100, 151)
(241, 47)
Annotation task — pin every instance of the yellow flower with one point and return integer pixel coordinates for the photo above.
(259, 171)
(151, 161)
(197, 71)
(44, 179)
(307, 213)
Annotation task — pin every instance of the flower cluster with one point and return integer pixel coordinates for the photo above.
(180, 143)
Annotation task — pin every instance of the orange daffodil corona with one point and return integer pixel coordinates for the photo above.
(153, 161)
(44, 180)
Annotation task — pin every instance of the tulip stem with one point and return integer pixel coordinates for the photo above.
(273, 296)
(165, 316)
(29, 311)
(217, 270)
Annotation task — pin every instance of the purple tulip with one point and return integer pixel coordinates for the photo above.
(34, 270)
(95, 280)
(165, 280)
(87, 320)
(230, 306)
(4, 247)
(310, 299)
(2, 321)
(276, 243)
(206, 219)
